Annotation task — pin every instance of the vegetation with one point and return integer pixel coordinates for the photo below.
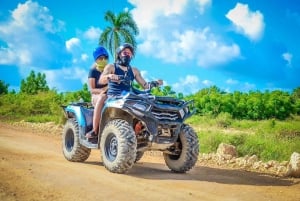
(36, 102)
(268, 139)
(122, 29)
(34, 83)
(3, 87)
(254, 105)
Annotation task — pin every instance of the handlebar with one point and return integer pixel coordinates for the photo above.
(152, 84)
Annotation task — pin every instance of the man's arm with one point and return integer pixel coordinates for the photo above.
(138, 77)
(141, 80)
(108, 74)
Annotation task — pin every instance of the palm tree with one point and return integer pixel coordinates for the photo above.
(122, 29)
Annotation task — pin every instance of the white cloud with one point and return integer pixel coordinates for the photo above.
(187, 85)
(248, 86)
(176, 43)
(72, 43)
(84, 57)
(147, 12)
(231, 81)
(207, 51)
(93, 33)
(203, 5)
(247, 22)
(207, 82)
(75, 73)
(6, 56)
(30, 38)
(288, 58)
(31, 14)
(144, 74)
(57, 78)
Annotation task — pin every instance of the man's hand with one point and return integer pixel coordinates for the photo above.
(155, 83)
(113, 77)
(160, 82)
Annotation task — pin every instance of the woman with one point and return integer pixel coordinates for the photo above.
(98, 91)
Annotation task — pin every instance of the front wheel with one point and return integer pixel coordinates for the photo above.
(139, 156)
(72, 149)
(118, 146)
(188, 145)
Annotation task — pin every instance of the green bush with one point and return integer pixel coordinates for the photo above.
(210, 141)
(268, 139)
(224, 120)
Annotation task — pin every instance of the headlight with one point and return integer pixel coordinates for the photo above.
(186, 109)
(115, 103)
(140, 106)
(181, 113)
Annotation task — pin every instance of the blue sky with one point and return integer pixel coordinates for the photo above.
(190, 44)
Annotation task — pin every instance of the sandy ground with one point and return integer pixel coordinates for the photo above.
(33, 168)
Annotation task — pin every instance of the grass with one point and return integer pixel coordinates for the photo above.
(268, 139)
(42, 118)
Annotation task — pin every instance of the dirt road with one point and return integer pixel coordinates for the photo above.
(33, 168)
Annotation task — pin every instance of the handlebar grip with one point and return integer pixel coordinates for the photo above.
(154, 84)
(121, 77)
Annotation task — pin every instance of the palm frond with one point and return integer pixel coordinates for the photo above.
(122, 29)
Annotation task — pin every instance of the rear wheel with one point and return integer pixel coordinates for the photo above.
(118, 146)
(72, 149)
(188, 145)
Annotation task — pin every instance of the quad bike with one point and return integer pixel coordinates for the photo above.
(132, 124)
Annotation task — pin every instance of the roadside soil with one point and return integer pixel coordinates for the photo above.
(32, 167)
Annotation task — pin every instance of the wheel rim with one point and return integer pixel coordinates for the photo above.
(69, 140)
(179, 147)
(111, 147)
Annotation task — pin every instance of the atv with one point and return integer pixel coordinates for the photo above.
(132, 124)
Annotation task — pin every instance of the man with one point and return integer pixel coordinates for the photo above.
(122, 67)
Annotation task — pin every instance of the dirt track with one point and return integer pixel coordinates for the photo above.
(33, 168)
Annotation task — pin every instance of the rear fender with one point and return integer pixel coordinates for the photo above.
(72, 111)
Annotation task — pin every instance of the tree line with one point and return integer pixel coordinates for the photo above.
(36, 98)
(253, 105)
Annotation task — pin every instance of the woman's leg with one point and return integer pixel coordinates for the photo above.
(97, 112)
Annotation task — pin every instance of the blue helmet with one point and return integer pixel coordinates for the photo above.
(100, 51)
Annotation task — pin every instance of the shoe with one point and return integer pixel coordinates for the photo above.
(91, 134)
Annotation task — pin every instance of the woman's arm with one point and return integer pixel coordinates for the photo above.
(93, 88)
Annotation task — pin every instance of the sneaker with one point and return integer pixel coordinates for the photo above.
(91, 134)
